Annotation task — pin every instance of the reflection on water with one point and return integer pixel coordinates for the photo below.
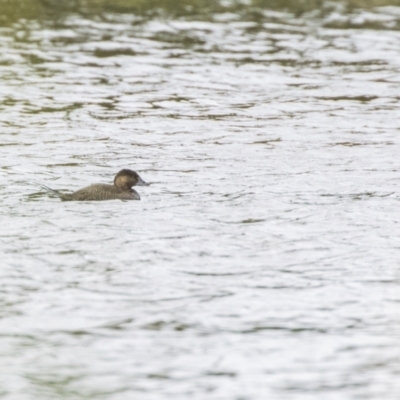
(260, 263)
(53, 10)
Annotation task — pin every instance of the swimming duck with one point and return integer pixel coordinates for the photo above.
(121, 190)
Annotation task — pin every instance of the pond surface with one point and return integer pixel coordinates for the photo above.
(263, 260)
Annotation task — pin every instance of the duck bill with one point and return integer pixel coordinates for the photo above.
(141, 182)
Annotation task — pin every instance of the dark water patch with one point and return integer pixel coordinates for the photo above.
(218, 274)
(159, 376)
(108, 105)
(358, 196)
(15, 144)
(61, 109)
(356, 24)
(184, 39)
(252, 221)
(11, 101)
(221, 374)
(102, 53)
(267, 141)
(69, 164)
(167, 325)
(119, 325)
(35, 59)
(362, 99)
(356, 144)
(244, 221)
(287, 329)
(256, 11)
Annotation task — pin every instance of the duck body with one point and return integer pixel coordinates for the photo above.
(121, 190)
(99, 192)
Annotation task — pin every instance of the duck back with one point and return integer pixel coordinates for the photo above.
(99, 191)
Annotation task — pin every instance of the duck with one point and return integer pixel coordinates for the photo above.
(120, 190)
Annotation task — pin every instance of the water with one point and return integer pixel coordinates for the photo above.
(262, 262)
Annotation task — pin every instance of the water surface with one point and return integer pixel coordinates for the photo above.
(262, 262)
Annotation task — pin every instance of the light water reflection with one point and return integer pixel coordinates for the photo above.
(260, 263)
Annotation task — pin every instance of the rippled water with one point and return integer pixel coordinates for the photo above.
(262, 262)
